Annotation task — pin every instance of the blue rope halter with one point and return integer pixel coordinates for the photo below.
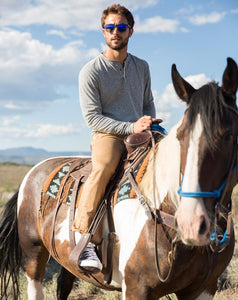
(213, 194)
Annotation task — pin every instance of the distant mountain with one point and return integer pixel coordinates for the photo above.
(23, 151)
(30, 155)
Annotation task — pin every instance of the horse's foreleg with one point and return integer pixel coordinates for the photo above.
(64, 284)
(137, 291)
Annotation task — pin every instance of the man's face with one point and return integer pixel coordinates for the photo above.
(116, 40)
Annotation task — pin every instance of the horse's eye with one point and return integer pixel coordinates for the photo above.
(227, 137)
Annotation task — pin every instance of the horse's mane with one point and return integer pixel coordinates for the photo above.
(209, 102)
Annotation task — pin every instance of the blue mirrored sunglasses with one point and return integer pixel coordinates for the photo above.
(121, 27)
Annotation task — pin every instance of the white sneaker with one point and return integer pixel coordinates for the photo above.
(89, 260)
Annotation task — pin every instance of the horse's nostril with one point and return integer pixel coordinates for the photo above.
(203, 227)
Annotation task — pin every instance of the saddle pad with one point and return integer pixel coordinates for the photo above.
(60, 183)
(54, 180)
(125, 189)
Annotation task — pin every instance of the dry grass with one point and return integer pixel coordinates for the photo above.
(229, 279)
(11, 176)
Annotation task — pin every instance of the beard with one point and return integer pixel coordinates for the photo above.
(118, 47)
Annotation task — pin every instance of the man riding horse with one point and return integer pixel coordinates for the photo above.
(116, 100)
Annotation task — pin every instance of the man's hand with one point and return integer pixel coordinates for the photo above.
(142, 124)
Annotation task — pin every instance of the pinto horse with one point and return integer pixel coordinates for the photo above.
(186, 241)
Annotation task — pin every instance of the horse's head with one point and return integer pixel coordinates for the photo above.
(208, 144)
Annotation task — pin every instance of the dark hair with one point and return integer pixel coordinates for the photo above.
(118, 10)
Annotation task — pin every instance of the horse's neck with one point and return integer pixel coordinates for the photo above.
(165, 168)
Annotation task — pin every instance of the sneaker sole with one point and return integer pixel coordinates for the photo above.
(92, 270)
(91, 266)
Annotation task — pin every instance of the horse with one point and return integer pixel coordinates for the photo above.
(180, 245)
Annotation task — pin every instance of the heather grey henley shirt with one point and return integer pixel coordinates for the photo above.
(112, 98)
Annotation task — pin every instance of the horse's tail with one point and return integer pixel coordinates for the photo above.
(10, 251)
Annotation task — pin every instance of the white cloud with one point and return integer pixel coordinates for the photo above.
(103, 47)
(83, 14)
(73, 14)
(45, 130)
(20, 105)
(198, 80)
(213, 17)
(186, 10)
(57, 33)
(62, 14)
(168, 106)
(31, 71)
(19, 49)
(38, 131)
(136, 4)
(183, 29)
(10, 121)
(234, 11)
(170, 99)
(156, 24)
(12, 106)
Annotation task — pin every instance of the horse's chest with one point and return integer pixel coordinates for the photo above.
(130, 218)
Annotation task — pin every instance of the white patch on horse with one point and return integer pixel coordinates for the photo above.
(130, 218)
(63, 229)
(205, 296)
(77, 235)
(34, 289)
(191, 212)
(123, 290)
(167, 162)
(190, 180)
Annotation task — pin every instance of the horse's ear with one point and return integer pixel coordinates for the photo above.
(230, 78)
(183, 89)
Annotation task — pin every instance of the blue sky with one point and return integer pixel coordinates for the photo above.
(45, 43)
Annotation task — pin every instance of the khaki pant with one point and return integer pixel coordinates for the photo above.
(107, 150)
